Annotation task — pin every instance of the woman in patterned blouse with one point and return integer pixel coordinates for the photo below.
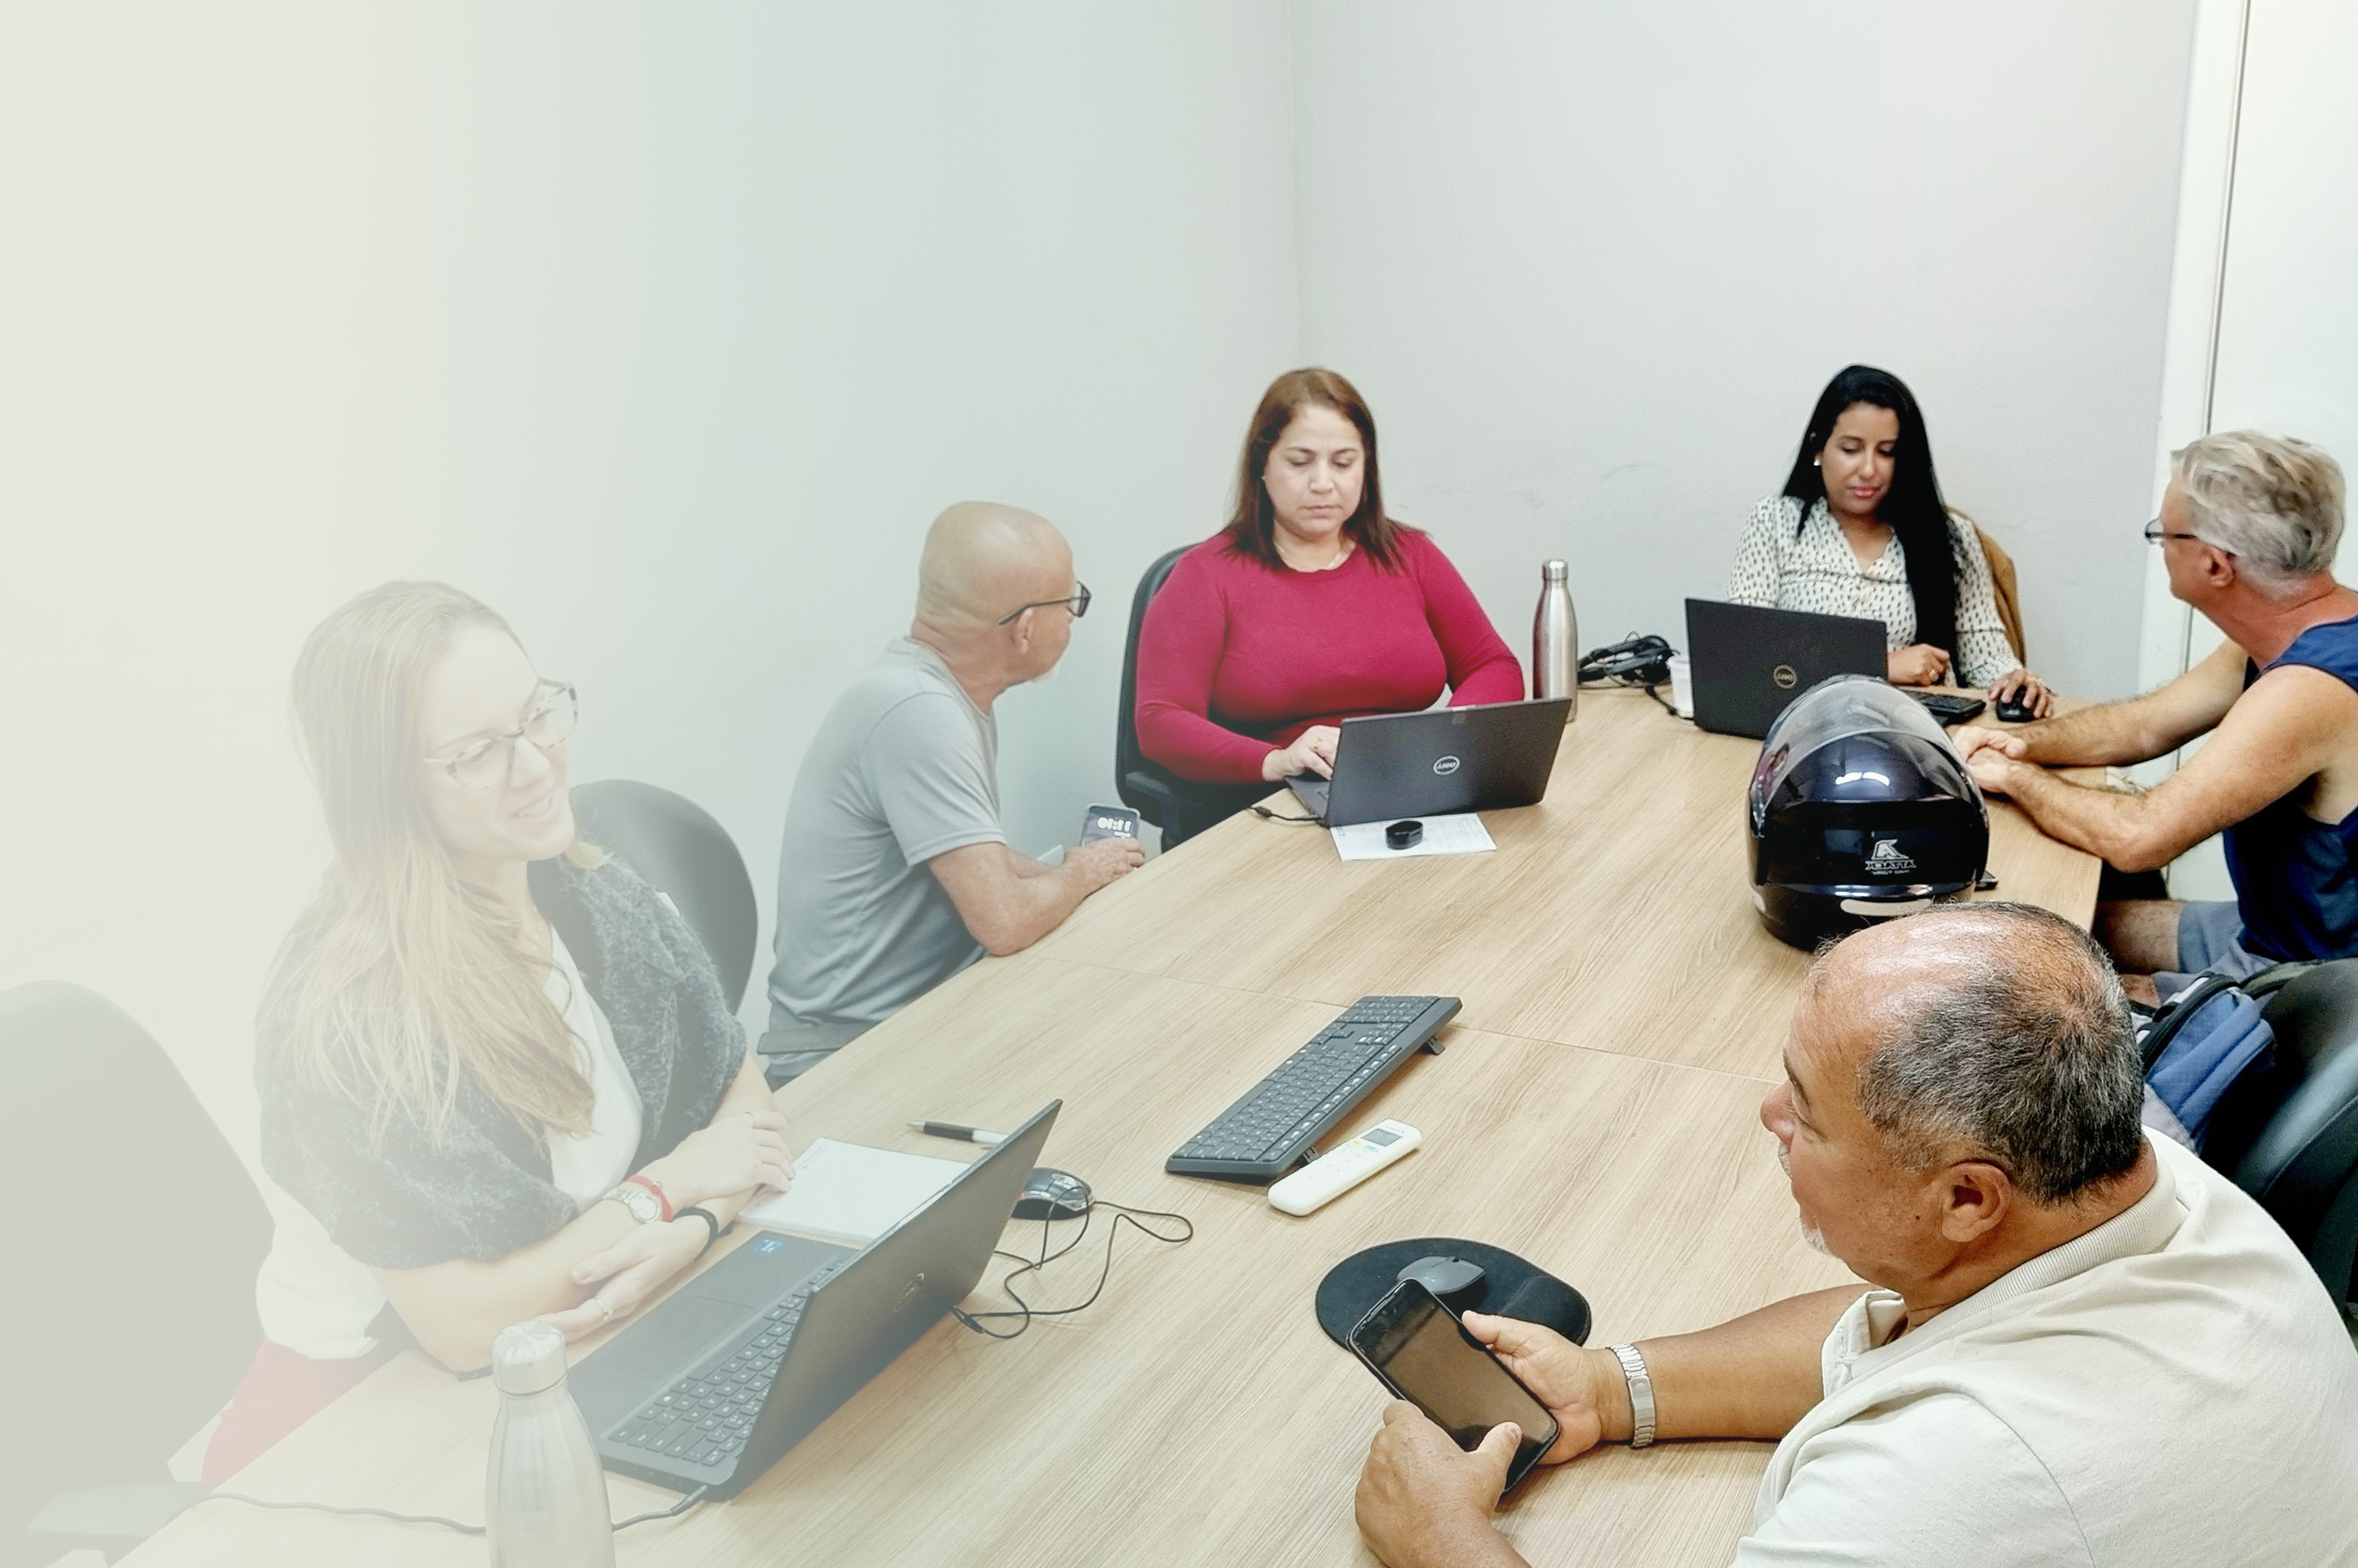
(1859, 529)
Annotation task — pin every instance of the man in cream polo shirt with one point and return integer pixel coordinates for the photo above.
(2081, 1346)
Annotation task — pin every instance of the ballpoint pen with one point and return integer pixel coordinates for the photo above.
(989, 1139)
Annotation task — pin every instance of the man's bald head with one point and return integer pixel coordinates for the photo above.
(1988, 1031)
(982, 560)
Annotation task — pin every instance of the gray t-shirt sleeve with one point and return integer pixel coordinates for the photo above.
(927, 770)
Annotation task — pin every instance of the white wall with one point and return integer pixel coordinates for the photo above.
(664, 330)
(667, 331)
(2265, 331)
(1592, 264)
(2288, 356)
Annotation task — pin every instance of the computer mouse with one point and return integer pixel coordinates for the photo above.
(1051, 1195)
(1444, 1277)
(2016, 710)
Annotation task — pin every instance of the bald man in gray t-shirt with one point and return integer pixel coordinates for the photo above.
(894, 872)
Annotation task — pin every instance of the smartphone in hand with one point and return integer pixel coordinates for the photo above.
(1419, 1349)
(1108, 822)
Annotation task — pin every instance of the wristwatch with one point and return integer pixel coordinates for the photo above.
(1641, 1395)
(642, 1204)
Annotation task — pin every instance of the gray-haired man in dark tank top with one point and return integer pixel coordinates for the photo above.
(2248, 529)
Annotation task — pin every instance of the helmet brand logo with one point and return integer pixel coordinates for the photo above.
(1785, 677)
(1886, 859)
(1446, 766)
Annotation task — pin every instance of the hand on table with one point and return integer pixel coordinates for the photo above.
(737, 1153)
(1990, 755)
(1100, 862)
(2032, 691)
(1312, 753)
(632, 1269)
(1424, 1500)
(1918, 664)
(1970, 738)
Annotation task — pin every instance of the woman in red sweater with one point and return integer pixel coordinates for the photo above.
(1311, 606)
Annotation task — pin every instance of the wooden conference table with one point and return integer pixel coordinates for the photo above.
(1596, 1111)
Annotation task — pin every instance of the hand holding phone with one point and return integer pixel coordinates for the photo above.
(1418, 1349)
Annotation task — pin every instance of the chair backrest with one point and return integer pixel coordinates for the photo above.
(128, 1316)
(1127, 758)
(2289, 1136)
(2004, 587)
(680, 849)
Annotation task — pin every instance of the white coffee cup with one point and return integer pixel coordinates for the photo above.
(1682, 686)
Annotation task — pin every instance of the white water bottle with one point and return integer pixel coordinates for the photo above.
(544, 1498)
(1555, 639)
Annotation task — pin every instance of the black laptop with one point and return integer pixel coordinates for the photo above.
(1747, 662)
(737, 1366)
(1443, 759)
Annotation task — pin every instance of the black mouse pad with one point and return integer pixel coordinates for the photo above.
(1510, 1287)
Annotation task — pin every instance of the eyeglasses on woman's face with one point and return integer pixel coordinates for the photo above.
(484, 762)
(1079, 603)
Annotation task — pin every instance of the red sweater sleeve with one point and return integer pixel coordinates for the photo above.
(1481, 669)
(1179, 647)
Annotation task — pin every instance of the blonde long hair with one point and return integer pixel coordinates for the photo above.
(413, 982)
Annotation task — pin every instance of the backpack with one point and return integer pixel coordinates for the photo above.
(2196, 1045)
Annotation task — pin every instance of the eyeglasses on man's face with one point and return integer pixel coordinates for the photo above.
(485, 762)
(1078, 604)
(2155, 533)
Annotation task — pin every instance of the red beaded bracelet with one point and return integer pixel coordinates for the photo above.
(653, 1187)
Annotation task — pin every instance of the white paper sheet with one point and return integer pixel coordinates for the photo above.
(850, 1194)
(1462, 834)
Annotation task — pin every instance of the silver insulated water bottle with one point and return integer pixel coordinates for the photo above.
(544, 1498)
(1555, 640)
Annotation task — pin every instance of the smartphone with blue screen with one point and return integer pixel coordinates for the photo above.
(1419, 1349)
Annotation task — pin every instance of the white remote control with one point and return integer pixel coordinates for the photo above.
(1345, 1167)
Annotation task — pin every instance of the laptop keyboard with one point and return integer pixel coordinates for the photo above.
(704, 1418)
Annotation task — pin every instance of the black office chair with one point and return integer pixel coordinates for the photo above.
(135, 1234)
(2289, 1136)
(1180, 807)
(679, 848)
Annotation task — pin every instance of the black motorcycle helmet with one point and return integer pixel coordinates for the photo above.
(1860, 810)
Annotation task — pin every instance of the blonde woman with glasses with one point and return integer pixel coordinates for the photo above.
(498, 1077)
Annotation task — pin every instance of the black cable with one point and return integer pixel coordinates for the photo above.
(328, 1509)
(1266, 815)
(676, 1509)
(1026, 1312)
(1658, 696)
(1636, 660)
(1122, 1214)
(685, 1503)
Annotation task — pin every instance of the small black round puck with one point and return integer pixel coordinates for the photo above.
(1404, 835)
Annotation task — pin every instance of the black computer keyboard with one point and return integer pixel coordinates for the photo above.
(705, 1417)
(1262, 1135)
(1947, 708)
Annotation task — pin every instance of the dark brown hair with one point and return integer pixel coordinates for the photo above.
(1252, 524)
(1913, 505)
